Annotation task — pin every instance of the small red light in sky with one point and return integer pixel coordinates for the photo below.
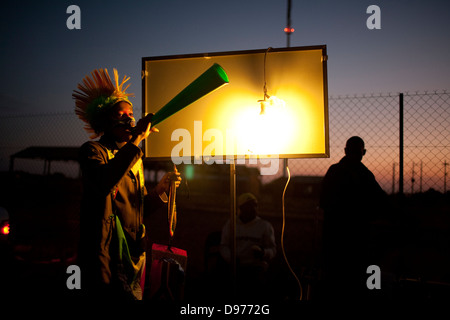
(5, 229)
(289, 30)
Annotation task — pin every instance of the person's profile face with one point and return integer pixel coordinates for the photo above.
(355, 152)
(248, 211)
(121, 121)
(122, 111)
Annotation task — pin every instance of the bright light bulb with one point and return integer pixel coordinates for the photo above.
(267, 132)
(276, 102)
(272, 102)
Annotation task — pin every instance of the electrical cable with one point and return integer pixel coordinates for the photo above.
(284, 191)
(282, 236)
(265, 84)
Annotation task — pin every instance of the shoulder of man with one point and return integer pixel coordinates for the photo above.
(334, 169)
(262, 221)
(92, 145)
(91, 149)
(366, 170)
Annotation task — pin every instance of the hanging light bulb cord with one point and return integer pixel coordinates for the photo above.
(265, 84)
(284, 191)
(282, 236)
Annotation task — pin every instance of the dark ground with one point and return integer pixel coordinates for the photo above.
(412, 244)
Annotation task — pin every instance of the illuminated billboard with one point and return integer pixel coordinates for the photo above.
(271, 103)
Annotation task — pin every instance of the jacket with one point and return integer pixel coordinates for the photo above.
(111, 183)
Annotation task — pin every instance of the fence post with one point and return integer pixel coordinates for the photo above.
(445, 176)
(400, 181)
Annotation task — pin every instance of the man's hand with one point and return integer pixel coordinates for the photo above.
(258, 251)
(164, 183)
(143, 129)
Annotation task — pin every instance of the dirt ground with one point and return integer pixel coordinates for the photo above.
(413, 246)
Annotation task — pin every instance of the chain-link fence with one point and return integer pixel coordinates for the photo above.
(19, 132)
(427, 141)
(375, 118)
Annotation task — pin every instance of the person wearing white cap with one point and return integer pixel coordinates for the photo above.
(255, 243)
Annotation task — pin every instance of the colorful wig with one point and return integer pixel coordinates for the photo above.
(95, 96)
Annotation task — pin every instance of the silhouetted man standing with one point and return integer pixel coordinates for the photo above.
(350, 198)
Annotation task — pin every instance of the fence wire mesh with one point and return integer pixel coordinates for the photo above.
(427, 141)
(376, 118)
(373, 117)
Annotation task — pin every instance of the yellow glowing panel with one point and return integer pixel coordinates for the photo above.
(227, 122)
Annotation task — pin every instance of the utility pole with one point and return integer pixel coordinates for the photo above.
(445, 176)
(421, 171)
(393, 178)
(288, 30)
(400, 178)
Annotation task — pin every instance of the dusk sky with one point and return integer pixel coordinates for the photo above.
(42, 60)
